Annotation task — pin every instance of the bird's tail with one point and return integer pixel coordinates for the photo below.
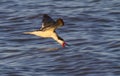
(27, 32)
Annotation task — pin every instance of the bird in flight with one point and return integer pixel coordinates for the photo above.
(48, 28)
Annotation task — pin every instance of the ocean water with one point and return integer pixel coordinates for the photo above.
(92, 29)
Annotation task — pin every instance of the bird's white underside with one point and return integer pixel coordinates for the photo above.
(46, 34)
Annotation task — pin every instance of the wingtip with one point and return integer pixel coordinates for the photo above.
(45, 15)
(60, 22)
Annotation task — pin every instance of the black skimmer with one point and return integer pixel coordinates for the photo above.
(48, 29)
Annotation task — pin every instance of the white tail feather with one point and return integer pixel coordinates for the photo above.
(27, 32)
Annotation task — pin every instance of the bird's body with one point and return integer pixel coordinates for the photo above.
(48, 29)
(45, 34)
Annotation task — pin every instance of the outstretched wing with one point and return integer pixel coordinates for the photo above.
(49, 24)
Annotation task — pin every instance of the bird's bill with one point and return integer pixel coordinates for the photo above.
(64, 44)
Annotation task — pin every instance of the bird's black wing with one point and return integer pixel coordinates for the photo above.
(47, 22)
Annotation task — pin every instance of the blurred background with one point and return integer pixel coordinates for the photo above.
(92, 29)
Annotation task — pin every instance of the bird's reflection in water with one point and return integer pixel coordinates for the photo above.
(50, 49)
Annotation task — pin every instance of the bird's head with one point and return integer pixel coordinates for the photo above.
(62, 42)
(59, 40)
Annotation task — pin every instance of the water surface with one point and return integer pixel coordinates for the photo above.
(92, 28)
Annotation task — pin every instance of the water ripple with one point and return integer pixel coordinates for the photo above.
(91, 30)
